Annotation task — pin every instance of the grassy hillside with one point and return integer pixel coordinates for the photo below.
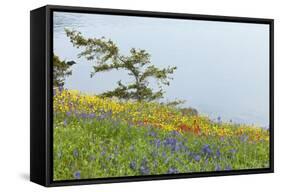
(97, 137)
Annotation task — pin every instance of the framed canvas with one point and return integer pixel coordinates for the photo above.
(125, 95)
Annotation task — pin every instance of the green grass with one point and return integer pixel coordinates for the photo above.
(92, 147)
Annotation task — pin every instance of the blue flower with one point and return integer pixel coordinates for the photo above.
(92, 115)
(172, 171)
(233, 151)
(217, 168)
(154, 154)
(197, 158)
(102, 116)
(207, 150)
(77, 175)
(75, 153)
(60, 88)
(68, 113)
(152, 134)
(65, 122)
(144, 170)
(83, 115)
(103, 153)
(228, 168)
(133, 165)
(157, 143)
(218, 153)
(170, 141)
(174, 133)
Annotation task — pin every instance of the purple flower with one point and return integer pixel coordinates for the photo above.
(60, 88)
(65, 122)
(83, 115)
(207, 150)
(144, 170)
(152, 134)
(103, 153)
(133, 165)
(157, 143)
(233, 151)
(228, 168)
(75, 153)
(172, 171)
(218, 153)
(174, 133)
(197, 158)
(170, 141)
(154, 154)
(92, 115)
(77, 175)
(68, 113)
(217, 168)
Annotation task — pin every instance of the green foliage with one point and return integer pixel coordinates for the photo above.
(107, 57)
(61, 69)
(104, 147)
(189, 111)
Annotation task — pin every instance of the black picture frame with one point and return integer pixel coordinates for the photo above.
(41, 52)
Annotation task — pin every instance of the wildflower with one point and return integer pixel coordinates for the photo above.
(172, 171)
(154, 154)
(65, 122)
(75, 153)
(157, 143)
(103, 153)
(174, 133)
(152, 134)
(206, 150)
(232, 151)
(92, 115)
(218, 153)
(217, 168)
(133, 165)
(102, 116)
(60, 88)
(197, 158)
(144, 170)
(77, 175)
(228, 168)
(83, 115)
(68, 113)
(170, 141)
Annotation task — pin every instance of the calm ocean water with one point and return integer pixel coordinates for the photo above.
(223, 68)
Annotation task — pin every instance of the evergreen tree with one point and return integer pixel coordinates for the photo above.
(107, 57)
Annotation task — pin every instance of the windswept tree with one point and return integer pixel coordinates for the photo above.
(61, 69)
(106, 57)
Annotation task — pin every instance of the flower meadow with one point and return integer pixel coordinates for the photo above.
(97, 137)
